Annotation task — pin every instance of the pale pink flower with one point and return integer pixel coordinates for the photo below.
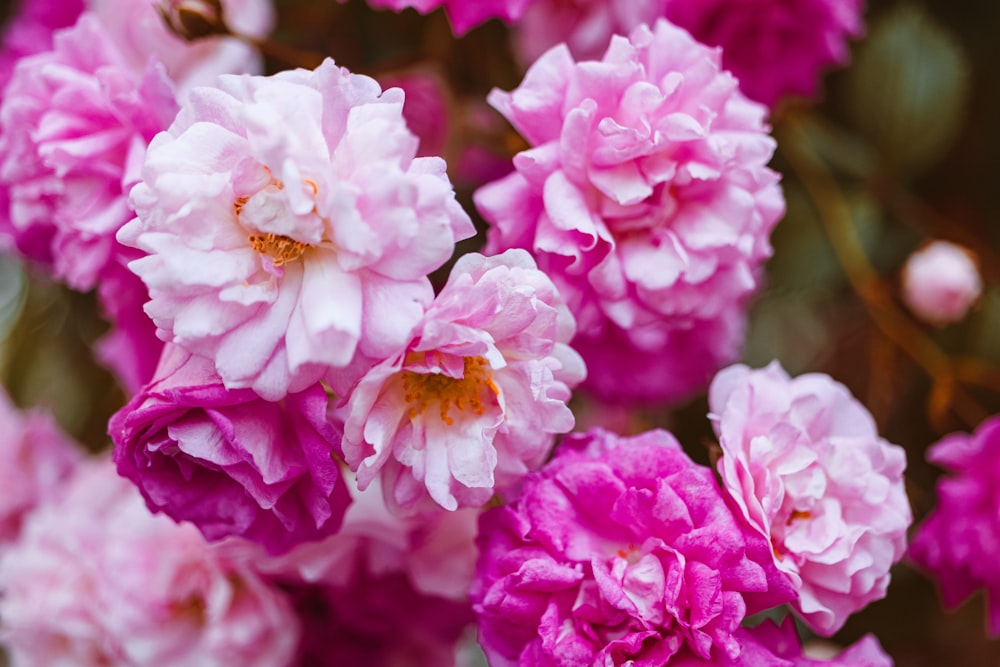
(35, 459)
(774, 47)
(803, 461)
(475, 398)
(140, 33)
(74, 124)
(97, 581)
(645, 196)
(462, 14)
(586, 26)
(288, 226)
(228, 461)
(958, 544)
(620, 551)
(941, 282)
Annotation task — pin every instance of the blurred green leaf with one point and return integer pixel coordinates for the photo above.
(909, 87)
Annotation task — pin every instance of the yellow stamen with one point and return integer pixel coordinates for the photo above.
(278, 247)
(469, 392)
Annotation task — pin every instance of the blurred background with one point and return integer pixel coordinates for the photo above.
(903, 148)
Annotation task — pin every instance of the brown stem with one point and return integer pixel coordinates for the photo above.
(835, 215)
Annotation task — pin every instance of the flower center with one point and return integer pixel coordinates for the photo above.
(468, 392)
(278, 247)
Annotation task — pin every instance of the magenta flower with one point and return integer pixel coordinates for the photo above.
(803, 462)
(279, 249)
(620, 551)
(941, 282)
(96, 581)
(474, 400)
(425, 110)
(660, 360)
(959, 542)
(586, 26)
(645, 195)
(770, 645)
(377, 621)
(130, 349)
(35, 459)
(74, 124)
(462, 14)
(774, 47)
(229, 462)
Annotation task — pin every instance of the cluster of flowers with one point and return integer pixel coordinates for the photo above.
(324, 431)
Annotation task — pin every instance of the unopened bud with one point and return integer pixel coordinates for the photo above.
(194, 19)
(941, 282)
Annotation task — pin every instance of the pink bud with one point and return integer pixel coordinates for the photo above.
(941, 282)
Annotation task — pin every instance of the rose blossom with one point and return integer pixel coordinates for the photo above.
(74, 124)
(474, 400)
(941, 282)
(959, 542)
(35, 459)
(619, 551)
(803, 461)
(774, 47)
(229, 462)
(645, 195)
(97, 581)
(288, 226)
(462, 14)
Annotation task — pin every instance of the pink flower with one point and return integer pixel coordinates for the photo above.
(803, 462)
(941, 282)
(774, 47)
(141, 33)
(958, 544)
(35, 459)
(474, 400)
(288, 226)
(620, 551)
(462, 14)
(586, 26)
(74, 124)
(97, 581)
(228, 461)
(645, 195)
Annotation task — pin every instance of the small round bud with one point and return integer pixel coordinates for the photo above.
(941, 282)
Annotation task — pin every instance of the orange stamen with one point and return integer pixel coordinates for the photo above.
(469, 392)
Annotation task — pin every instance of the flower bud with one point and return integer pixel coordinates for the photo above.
(941, 282)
